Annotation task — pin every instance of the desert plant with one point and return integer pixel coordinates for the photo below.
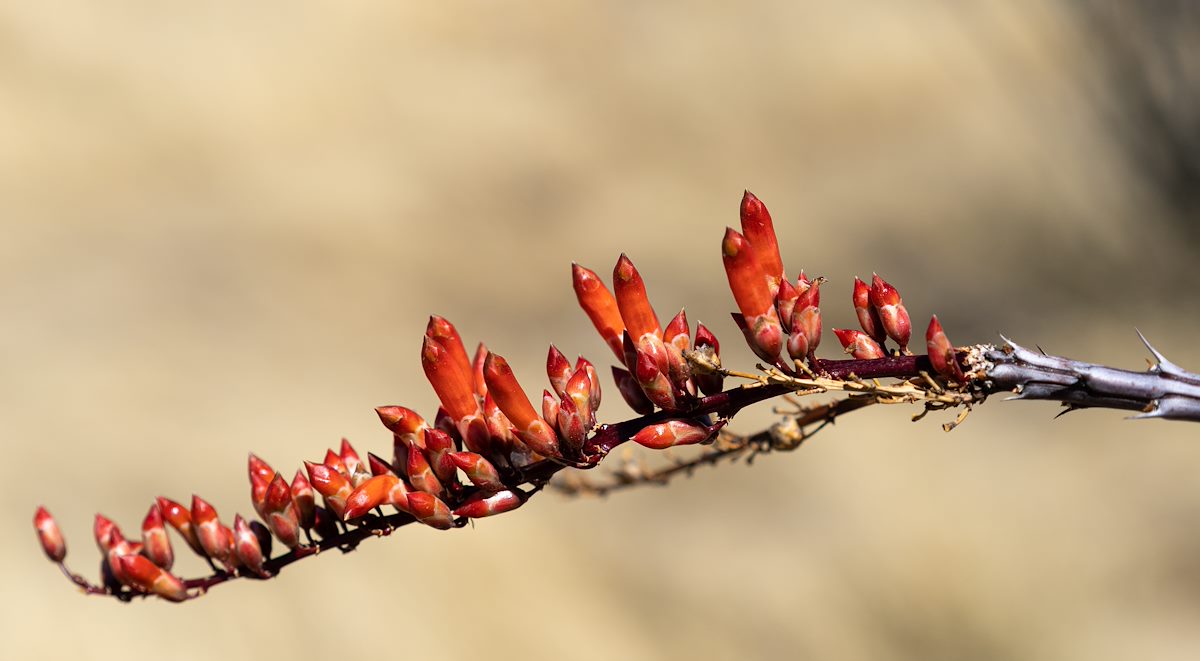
(489, 450)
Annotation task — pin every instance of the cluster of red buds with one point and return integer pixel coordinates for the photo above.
(488, 431)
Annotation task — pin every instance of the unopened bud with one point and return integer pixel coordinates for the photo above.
(49, 535)
(858, 344)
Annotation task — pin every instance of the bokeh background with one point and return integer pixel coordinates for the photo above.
(224, 225)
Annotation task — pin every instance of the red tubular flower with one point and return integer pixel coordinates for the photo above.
(892, 314)
(305, 499)
(748, 282)
(333, 487)
(483, 505)
(421, 476)
(558, 370)
(429, 509)
(451, 383)
(215, 538)
(859, 344)
(282, 518)
(868, 316)
(447, 335)
(49, 535)
(247, 548)
(710, 383)
(149, 577)
(155, 543)
(478, 470)
(673, 432)
(180, 519)
(528, 425)
(631, 392)
(600, 306)
(941, 352)
(632, 301)
(759, 230)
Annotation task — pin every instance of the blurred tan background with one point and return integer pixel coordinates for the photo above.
(224, 225)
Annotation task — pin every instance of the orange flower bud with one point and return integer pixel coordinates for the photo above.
(447, 335)
(477, 382)
(483, 505)
(529, 427)
(760, 232)
(334, 461)
(600, 306)
(143, 574)
(632, 301)
(451, 383)
(49, 535)
(859, 344)
(941, 352)
(154, 539)
(379, 466)
(403, 422)
(379, 490)
(747, 277)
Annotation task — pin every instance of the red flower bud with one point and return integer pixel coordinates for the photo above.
(785, 303)
(600, 306)
(334, 461)
(550, 406)
(710, 383)
(261, 469)
(631, 392)
(482, 505)
(305, 499)
(584, 364)
(430, 510)
(106, 533)
(478, 470)
(333, 487)
(247, 547)
(760, 232)
(180, 519)
(143, 574)
(49, 535)
(747, 277)
(403, 422)
(892, 314)
(558, 369)
(941, 352)
(420, 474)
(477, 382)
(529, 427)
(859, 344)
(868, 316)
(653, 380)
(349, 457)
(673, 432)
(281, 515)
(215, 538)
(154, 539)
